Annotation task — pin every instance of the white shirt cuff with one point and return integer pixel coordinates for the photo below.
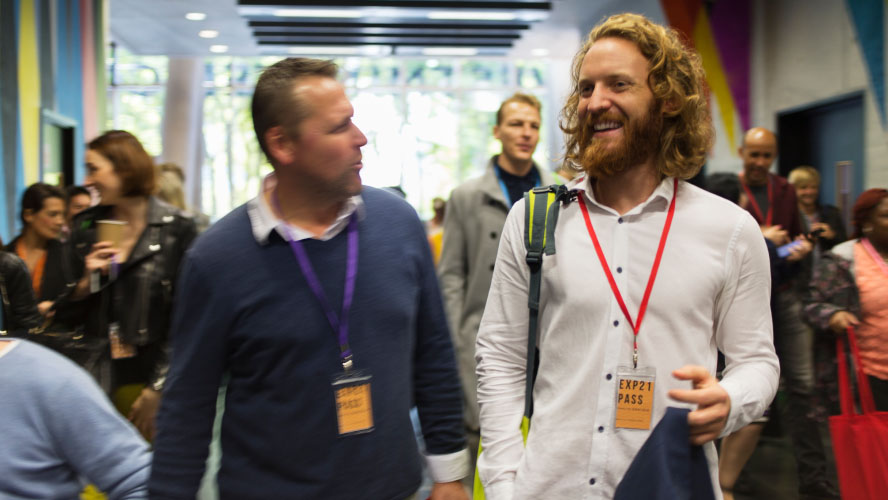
(449, 467)
(501, 490)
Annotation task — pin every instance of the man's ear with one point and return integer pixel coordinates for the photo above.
(496, 132)
(280, 146)
(671, 107)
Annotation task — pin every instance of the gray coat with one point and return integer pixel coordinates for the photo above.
(473, 221)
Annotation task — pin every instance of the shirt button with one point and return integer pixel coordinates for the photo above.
(608, 376)
(619, 269)
(600, 428)
(592, 481)
(616, 323)
(620, 220)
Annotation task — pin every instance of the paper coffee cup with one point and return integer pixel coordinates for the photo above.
(110, 230)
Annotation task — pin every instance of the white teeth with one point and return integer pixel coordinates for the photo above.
(606, 126)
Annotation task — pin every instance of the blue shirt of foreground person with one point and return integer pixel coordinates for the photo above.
(319, 299)
(60, 431)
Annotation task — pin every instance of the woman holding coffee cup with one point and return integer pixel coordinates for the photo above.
(128, 249)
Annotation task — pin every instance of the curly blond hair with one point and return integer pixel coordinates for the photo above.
(676, 80)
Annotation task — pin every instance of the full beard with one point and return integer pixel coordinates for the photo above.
(640, 141)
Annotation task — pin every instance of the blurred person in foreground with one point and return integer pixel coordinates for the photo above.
(319, 299)
(637, 122)
(850, 288)
(126, 287)
(60, 430)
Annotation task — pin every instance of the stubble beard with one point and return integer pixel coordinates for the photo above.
(640, 141)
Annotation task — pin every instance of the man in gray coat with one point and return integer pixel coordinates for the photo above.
(474, 219)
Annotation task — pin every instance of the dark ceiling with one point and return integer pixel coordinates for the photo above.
(392, 26)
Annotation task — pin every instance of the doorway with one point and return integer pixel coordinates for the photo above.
(828, 136)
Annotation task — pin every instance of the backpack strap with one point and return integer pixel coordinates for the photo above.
(540, 218)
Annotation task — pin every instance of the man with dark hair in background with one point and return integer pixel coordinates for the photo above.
(474, 220)
(319, 300)
(772, 202)
(630, 321)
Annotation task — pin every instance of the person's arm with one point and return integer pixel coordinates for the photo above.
(437, 391)
(500, 355)
(22, 304)
(95, 440)
(184, 425)
(743, 328)
(830, 292)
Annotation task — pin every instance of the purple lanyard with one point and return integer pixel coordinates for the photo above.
(339, 324)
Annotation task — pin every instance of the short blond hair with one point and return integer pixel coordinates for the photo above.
(518, 97)
(804, 175)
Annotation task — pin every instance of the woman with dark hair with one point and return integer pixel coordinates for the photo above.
(850, 288)
(43, 216)
(128, 250)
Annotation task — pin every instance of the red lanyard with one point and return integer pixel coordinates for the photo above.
(650, 284)
(874, 254)
(755, 206)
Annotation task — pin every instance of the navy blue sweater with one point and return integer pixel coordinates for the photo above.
(246, 309)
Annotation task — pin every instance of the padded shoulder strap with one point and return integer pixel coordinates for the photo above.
(540, 216)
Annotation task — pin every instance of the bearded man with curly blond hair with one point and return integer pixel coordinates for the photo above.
(651, 278)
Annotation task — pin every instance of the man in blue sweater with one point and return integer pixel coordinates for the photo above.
(320, 301)
(60, 431)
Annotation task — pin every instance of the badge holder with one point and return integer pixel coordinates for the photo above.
(634, 399)
(119, 348)
(354, 408)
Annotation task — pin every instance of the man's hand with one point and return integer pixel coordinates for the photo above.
(99, 259)
(776, 234)
(449, 491)
(713, 403)
(144, 411)
(840, 321)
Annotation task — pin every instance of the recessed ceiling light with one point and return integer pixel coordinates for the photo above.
(450, 51)
(208, 33)
(472, 15)
(219, 49)
(195, 16)
(539, 52)
(352, 13)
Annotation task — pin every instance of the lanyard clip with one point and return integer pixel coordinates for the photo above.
(347, 363)
(635, 358)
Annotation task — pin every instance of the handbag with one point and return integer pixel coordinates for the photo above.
(860, 440)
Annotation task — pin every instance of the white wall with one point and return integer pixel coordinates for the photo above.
(804, 52)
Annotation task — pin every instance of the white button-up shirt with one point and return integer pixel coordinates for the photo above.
(712, 293)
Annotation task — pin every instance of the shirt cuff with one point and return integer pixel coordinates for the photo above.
(449, 467)
(500, 490)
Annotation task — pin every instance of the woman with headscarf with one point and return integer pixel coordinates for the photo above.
(850, 288)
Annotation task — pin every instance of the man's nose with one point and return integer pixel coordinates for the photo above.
(599, 101)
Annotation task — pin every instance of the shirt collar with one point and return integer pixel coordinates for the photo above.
(263, 219)
(658, 200)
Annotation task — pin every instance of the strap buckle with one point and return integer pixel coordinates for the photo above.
(534, 257)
